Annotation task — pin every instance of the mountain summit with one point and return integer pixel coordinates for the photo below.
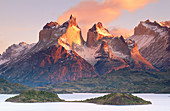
(67, 35)
(153, 41)
(96, 33)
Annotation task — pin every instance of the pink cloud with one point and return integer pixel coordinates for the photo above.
(89, 12)
(121, 31)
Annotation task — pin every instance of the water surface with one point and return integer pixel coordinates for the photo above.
(160, 102)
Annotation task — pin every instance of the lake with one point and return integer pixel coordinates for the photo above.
(160, 102)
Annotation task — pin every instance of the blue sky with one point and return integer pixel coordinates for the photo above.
(21, 20)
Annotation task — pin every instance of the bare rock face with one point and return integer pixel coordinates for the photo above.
(141, 29)
(68, 35)
(136, 60)
(49, 66)
(155, 48)
(96, 33)
(107, 61)
(45, 34)
(119, 45)
(166, 23)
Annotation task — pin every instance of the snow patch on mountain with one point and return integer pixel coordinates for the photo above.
(103, 31)
(142, 40)
(15, 51)
(89, 54)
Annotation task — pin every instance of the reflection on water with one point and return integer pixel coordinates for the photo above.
(160, 102)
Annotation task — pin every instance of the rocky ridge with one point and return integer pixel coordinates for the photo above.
(153, 41)
(62, 55)
(15, 50)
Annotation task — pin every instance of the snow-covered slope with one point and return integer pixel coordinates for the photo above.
(14, 51)
(153, 40)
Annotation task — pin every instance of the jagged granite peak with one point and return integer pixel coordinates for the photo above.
(118, 44)
(142, 29)
(14, 51)
(72, 21)
(96, 33)
(165, 23)
(48, 66)
(149, 28)
(68, 35)
(154, 47)
(107, 61)
(51, 25)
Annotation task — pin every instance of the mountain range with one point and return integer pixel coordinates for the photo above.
(62, 55)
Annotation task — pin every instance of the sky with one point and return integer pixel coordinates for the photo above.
(22, 20)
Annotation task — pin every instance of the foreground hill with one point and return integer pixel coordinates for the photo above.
(35, 96)
(7, 87)
(118, 99)
(110, 99)
(119, 81)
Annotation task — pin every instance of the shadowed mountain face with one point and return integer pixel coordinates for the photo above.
(153, 40)
(107, 61)
(49, 66)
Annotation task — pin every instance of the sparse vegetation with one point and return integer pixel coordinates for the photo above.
(6, 87)
(119, 81)
(35, 96)
(118, 99)
(31, 96)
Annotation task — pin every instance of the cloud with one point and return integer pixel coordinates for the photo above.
(89, 12)
(121, 31)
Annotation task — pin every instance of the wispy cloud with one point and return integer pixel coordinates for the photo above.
(121, 31)
(89, 12)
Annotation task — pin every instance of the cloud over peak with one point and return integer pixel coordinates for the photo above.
(89, 12)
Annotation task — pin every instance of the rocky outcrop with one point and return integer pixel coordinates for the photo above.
(166, 23)
(107, 61)
(118, 44)
(49, 66)
(141, 29)
(68, 35)
(153, 43)
(96, 33)
(136, 60)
